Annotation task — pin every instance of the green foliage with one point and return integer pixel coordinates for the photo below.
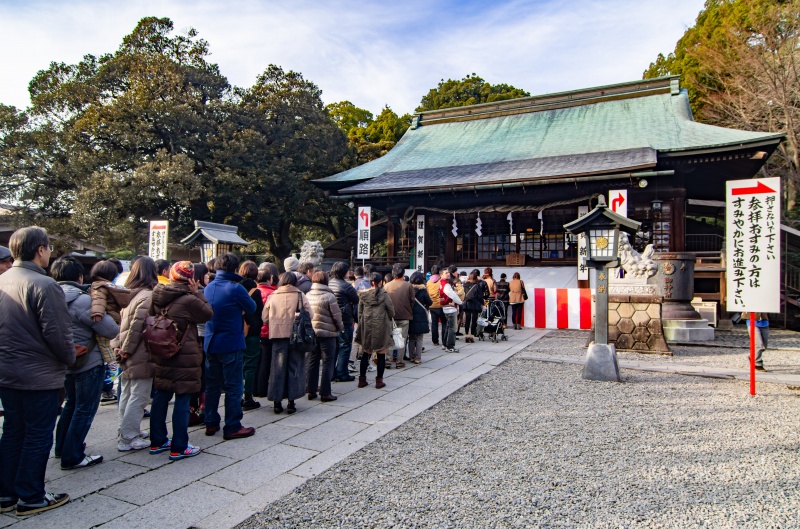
(470, 90)
(741, 65)
(369, 137)
(155, 131)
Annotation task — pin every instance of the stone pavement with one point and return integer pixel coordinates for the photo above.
(232, 480)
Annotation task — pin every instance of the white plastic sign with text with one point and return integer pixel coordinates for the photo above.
(363, 243)
(753, 244)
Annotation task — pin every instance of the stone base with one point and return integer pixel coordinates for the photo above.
(687, 331)
(601, 363)
(634, 324)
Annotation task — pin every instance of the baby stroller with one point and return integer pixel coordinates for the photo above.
(491, 321)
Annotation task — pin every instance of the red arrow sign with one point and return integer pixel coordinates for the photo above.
(757, 190)
(617, 202)
(364, 216)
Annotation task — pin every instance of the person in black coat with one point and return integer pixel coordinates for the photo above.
(347, 299)
(419, 324)
(476, 290)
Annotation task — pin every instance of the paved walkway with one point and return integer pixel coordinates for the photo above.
(232, 480)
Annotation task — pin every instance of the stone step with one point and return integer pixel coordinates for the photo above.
(687, 330)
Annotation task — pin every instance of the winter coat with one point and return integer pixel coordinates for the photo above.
(266, 291)
(129, 347)
(347, 298)
(84, 328)
(280, 310)
(502, 290)
(35, 330)
(303, 283)
(515, 291)
(327, 320)
(362, 283)
(491, 287)
(254, 318)
(422, 300)
(433, 290)
(474, 295)
(375, 314)
(402, 294)
(228, 299)
(182, 373)
(107, 298)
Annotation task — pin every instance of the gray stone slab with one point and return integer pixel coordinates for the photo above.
(312, 417)
(327, 435)
(330, 457)
(360, 397)
(253, 472)
(178, 510)
(407, 396)
(443, 361)
(145, 488)
(373, 412)
(394, 383)
(145, 459)
(265, 437)
(88, 511)
(251, 503)
(418, 371)
(8, 519)
(78, 483)
(379, 429)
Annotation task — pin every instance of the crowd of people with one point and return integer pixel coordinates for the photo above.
(185, 333)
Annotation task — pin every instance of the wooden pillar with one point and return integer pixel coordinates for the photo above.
(391, 239)
(678, 234)
(450, 249)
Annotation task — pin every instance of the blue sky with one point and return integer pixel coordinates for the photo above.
(371, 53)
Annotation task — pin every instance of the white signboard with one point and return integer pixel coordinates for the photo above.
(583, 270)
(753, 244)
(618, 201)
(363, 243)
(420, 255)
(158, 239)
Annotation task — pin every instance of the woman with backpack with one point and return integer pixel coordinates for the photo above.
(179, 375)
(374, 333)
(138, 369)
(327, 323)
(287, 377)
(473, 304)
(419, 326)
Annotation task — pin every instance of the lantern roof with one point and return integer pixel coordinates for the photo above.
(602, 216)
(216, 233)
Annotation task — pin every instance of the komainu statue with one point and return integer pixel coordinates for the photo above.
(636, 265)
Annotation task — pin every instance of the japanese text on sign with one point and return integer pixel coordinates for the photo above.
(363, 243)
(420, 255)
(583, 271)
(158, 239)
(753, 243)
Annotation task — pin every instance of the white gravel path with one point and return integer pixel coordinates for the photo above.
(530, 444)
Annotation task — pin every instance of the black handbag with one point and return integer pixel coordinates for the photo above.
(524, 292)
(303, 338)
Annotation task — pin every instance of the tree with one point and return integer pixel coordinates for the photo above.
(741, 65)
(369, 137)
(470, 90)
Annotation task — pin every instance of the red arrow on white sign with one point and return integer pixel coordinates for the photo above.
(760, 188)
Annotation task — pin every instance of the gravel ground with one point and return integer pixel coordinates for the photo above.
(531, 444)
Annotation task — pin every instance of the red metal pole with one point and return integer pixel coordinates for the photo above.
(753, 332)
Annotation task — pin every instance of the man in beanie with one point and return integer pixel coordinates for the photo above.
(225, 346)
(291, 263)
(6, 260)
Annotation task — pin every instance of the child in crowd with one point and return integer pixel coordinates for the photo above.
(107, 298)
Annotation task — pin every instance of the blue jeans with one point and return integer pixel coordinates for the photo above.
(180, 420)
(437, 315)
(30, 417)
(82, 399)
(449, 338)
(344, 347)
(224, 371)
(108, 381)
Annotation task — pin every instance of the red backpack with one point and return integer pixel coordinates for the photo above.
(444, 299)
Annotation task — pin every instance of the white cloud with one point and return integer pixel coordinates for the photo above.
(371, 53)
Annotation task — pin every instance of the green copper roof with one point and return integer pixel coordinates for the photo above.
(634, 117)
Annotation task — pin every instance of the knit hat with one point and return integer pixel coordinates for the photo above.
(291, 263)
(181, 272)
(5, 253)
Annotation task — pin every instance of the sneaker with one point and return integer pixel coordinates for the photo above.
(760, 368)
(50, 501)
(371, 368)
(190, 451)
(146, 414)
(163, 448)
(136, 444)
(451, 350)
(144, 435)
(351, 367)
(8, 504)
(88, 461)
(107, 398)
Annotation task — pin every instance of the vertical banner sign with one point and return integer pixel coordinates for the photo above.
(420, 257)
(753, 243)
(583, 270)
(158, 239)
(752, 237)
(618, 201)
(363, 244)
